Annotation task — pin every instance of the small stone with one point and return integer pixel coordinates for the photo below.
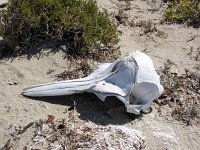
(146, 111)
(15, 83)
(10, 83)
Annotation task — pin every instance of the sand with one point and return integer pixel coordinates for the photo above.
(161, 132)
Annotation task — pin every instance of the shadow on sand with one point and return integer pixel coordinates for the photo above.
(91, 108)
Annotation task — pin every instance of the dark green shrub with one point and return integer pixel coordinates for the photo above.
(77, 23)
(181, 11)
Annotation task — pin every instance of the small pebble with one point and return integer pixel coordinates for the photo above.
(15, 83)
(12, 83)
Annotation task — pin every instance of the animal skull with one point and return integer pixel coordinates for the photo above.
(132, 79)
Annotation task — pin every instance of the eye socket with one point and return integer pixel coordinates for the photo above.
(114, 68)
(120, 64)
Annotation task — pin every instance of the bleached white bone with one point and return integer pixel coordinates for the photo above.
(132, 79)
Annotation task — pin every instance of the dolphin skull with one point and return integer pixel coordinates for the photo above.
(132, 79)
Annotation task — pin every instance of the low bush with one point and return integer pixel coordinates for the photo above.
(77, 23)
(181, 11)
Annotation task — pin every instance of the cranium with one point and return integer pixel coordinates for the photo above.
(132, 79)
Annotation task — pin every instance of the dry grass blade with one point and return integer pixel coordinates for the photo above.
(23, 129)
(8, 145)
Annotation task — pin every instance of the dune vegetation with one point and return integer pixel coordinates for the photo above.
(80, 25)
(181, 11)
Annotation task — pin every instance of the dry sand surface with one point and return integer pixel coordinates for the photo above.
(161, 131)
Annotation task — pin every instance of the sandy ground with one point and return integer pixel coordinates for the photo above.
(161, 132)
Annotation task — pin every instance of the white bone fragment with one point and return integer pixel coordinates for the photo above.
(132, 79)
